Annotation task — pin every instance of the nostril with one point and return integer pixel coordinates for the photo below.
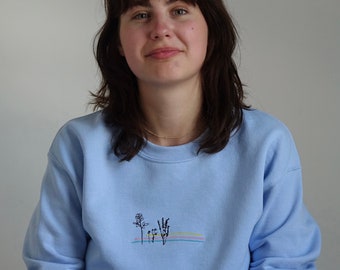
(158, 36)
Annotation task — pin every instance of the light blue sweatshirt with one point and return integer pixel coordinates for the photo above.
(169, 208)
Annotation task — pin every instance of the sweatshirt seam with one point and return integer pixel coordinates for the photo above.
(53, 157)
(160, 161)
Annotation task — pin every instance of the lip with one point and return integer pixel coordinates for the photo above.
(163, 53)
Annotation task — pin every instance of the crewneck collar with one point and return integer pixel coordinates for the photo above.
(170, 154)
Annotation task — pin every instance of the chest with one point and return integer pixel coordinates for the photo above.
(166, 212)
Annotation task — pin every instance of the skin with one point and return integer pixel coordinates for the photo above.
(165, 43)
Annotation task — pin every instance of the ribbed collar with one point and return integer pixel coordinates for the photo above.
(170, 154)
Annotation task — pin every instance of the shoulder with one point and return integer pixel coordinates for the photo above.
(83, 127)
(255, 119)
(86, 134)
(84, 124)
(268, 139)
(259, 126)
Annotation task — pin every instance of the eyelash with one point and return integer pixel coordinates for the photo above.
(141, 16)
(146, 15)
(180, 11)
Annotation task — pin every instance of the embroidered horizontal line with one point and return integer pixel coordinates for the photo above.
(172, 237)
(187, 234)
(169, 240)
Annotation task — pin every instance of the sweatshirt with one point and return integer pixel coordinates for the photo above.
(172, 207)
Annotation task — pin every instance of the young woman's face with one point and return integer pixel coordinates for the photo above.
(164, 41)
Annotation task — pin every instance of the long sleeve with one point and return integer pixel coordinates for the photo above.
(55, 238)
(286, 236)
(241, 208)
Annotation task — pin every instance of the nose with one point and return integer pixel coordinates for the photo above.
(161, 28)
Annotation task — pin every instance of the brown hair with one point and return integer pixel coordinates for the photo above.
(118, 95)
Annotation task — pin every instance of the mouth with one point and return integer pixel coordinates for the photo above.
(163, 53)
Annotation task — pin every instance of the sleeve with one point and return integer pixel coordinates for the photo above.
(286, 236)
(55, 238)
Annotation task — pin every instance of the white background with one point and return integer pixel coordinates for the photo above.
(289, 57)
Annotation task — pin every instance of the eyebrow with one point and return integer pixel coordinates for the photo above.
(170, 1)
(146, 3)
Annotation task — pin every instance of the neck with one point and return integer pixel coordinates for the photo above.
(173, 115)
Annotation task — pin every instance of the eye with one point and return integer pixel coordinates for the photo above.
(141, 16)
(179, 11)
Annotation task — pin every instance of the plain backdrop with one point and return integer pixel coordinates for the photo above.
(289, 57)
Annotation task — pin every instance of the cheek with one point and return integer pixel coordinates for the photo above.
(124, 44)
(128, 49)
(198, 36)
(197, 30)
(127, 41)
(128, 54)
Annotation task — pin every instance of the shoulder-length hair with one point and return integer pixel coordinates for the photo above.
(118, 96)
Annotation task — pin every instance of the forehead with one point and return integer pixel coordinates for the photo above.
(127, 4)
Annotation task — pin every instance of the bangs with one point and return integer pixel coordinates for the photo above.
(122, 6)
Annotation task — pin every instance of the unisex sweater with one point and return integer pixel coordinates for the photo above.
(171, 207)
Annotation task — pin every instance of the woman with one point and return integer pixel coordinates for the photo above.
(175, 171)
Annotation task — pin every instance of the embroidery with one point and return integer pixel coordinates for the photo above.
(141, 224)
(164, 229)
(151, 235)
(162, 234)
